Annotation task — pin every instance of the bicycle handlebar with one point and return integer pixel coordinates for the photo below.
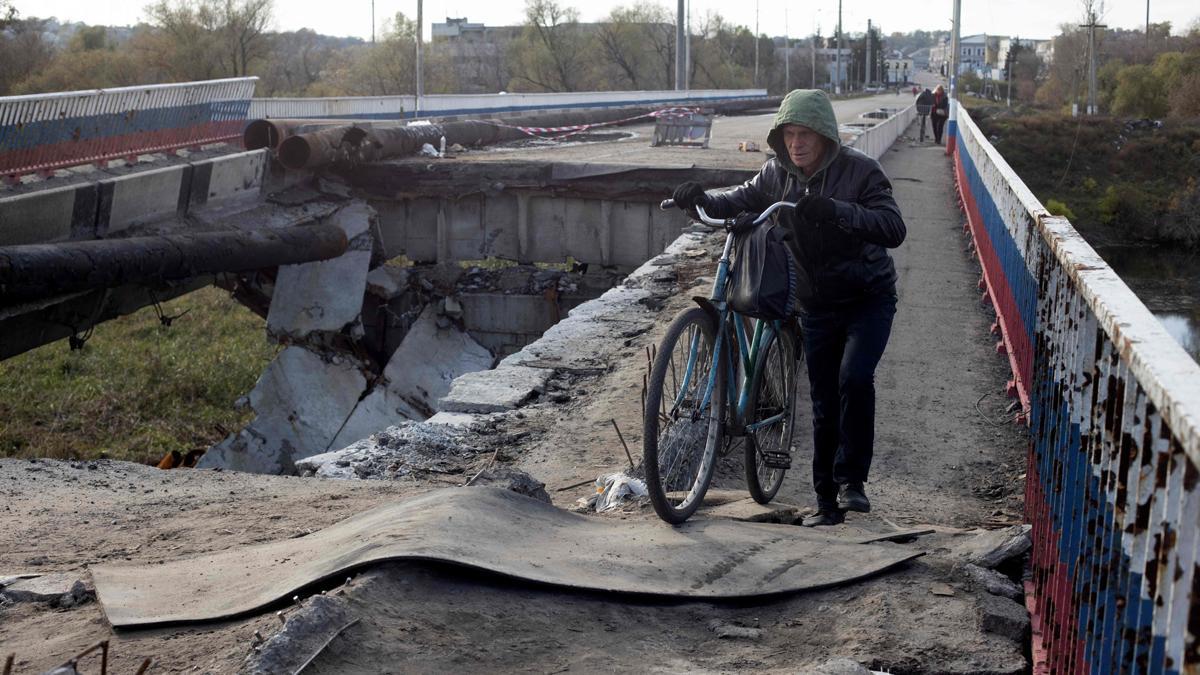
(728, 222)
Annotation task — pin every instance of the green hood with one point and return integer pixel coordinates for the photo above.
(810, 108)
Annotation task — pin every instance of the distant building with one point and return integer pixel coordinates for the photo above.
(475, 52)
(897, 68)
(920, 59)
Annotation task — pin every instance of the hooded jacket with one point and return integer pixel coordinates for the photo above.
(843, 260)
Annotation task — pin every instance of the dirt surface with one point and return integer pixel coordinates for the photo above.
(939, 463)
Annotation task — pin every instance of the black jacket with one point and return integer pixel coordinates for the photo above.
(844, 260)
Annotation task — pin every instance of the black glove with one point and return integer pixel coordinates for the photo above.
(816, 209)
(689, 195)
(743, 222)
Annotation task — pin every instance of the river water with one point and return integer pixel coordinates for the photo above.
(1168, 282)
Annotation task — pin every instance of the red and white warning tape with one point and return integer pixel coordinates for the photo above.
(564, 132)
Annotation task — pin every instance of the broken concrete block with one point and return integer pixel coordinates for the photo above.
(732, 631)
(512, 479)
(388, 281)
(302, 402)
(324, 295)
(994, 582)
(416, 377)
(992, 548)
(451, 419)
(305, 633)
(504, 388)
(63, 590)
(837, 667)
(1002, 616)
(592, 332)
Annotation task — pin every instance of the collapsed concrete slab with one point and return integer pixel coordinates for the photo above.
(504, 388)
(325, 295)
(418, 374)
(302, 401)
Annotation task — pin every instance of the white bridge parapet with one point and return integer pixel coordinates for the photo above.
(1113, 404)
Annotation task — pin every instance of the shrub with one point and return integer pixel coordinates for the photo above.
(1090, 184)
(1182, 222)
(1140, 93)
(1058, 208)
(1126, 206)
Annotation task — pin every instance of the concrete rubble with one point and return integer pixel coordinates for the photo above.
(993, 582)
(305, 633)
(992, 548)
(60, 590)
(325, 296)
(417, 376)
(302, 401)
(313, 403)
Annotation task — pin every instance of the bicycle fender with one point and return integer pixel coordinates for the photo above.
(709, 308)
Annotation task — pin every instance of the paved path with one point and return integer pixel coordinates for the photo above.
(722, 152)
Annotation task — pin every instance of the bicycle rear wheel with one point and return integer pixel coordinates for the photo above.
(682, 430)
(770, 423)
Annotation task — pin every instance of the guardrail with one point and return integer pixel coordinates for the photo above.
(43, 132)
(876, 140)
(451, 105)
(1114, 419)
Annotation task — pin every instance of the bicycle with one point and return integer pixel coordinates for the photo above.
(687, 397)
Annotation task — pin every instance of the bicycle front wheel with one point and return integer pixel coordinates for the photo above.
(770, 422)
(683, 416)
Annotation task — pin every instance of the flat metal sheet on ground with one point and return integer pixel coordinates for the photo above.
(500, 531)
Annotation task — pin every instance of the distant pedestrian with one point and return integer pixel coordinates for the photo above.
(924, 106)
(940, 113)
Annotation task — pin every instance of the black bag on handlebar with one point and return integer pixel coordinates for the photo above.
(764, 277)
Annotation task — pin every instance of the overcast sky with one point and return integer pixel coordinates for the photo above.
(1027, 18)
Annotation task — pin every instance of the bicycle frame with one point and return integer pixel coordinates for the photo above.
(730, 323)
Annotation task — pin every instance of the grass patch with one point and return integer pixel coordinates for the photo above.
(136, 390)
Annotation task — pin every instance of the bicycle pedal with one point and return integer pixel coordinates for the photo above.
(777, 459)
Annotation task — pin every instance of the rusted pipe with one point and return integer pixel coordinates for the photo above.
(269, 133)
(47, 270)
(359, 143)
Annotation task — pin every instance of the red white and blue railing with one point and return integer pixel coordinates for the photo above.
(1113, 407)
(43, 132)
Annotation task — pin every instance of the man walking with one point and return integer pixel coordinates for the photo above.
(844, 223)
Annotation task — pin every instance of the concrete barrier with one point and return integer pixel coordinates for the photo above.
(91, 210)
(454, 105)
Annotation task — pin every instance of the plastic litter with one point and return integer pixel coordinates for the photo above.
(614, 489)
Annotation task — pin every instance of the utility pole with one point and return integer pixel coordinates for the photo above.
(952, 123)
(687, 49)
(870, 62)
(373, 22)
(1147, 21)
(420, 47)
(787, 51)
(755, 43)
(1009, 61)
(837, 86)
(814, 60)
(1091, 25)
(680, 48)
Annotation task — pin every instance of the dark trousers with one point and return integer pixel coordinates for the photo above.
(939, 123)
(842, 347)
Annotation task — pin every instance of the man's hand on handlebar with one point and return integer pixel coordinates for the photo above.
(742, 222)
(689, 195)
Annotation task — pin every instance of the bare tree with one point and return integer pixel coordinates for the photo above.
(552, 50)
(639, 41)
(211, 38)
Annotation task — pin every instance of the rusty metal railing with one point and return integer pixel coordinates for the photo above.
(43, 132)
(1113, 404)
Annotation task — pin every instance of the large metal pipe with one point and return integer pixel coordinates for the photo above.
(269, 133)
(365, 143)
(47, 270)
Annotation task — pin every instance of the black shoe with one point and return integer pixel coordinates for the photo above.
(852, 498)
(824, 518)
